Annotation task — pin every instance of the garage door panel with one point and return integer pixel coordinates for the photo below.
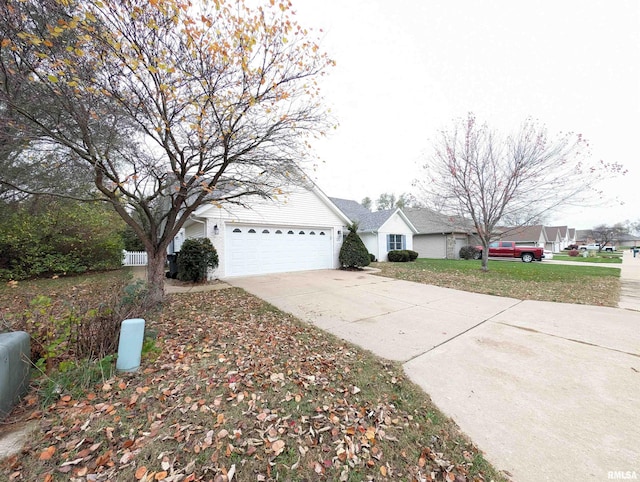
(260, 250)
(430, 246)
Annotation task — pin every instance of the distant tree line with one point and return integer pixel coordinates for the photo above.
(390, 201)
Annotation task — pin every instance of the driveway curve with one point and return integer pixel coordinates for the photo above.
(548, 391)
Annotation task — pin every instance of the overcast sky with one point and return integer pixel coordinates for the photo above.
(407, 68)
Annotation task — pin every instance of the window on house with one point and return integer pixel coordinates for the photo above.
(252, 231)
(278, 232)
(289, 232)
(237, 230)
(301, 232)
(395, 241)
(265, 231)
(322, 233)
(312, 233)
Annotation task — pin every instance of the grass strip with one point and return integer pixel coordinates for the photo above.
(591, 285)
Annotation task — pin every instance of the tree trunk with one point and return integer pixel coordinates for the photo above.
(155, 275)
(485, 258)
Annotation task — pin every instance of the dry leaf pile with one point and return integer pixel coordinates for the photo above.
(241, 391)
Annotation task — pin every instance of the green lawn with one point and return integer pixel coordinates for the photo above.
(531, 281)
(604, 258)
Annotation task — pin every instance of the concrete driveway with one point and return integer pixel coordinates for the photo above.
(549, 391)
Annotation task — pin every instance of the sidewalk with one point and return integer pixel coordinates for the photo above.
(545, 390)
(630, 282)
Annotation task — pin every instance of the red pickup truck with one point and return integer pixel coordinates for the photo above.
(508, 249)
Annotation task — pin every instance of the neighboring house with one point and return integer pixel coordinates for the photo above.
(562, 233)
(380, 231)
(300, 230)
(571, 236)
(554, 239)
(535, 235)
(439, 236)
(628, 240)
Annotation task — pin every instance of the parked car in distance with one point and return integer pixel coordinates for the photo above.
(509, 249)
(596, 246)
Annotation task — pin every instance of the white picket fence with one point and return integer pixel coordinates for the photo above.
(134, 258)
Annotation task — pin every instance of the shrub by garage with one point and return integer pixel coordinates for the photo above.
(353, 253)
(195, 257)
(469, 252)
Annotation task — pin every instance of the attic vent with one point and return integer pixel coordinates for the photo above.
(252, 231)
(237, 230)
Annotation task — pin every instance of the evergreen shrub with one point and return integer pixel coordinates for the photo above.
(353, 253)
(468, 252)
(196, 255)
(399, 256)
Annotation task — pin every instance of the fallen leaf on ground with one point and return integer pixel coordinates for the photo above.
(140, 472)
(277, 447)
(48, 453)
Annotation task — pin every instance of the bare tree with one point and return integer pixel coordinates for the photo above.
(475, 173)
(408, 200)
(165, 105)
(605, 235)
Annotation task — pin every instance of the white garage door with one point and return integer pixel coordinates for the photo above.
(267, 249)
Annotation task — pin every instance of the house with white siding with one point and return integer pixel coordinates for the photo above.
(566, 236)
(553, 241)
(380, 231)
(299, 230)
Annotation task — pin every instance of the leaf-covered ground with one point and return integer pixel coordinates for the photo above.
(589, 285)
(235, 390)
